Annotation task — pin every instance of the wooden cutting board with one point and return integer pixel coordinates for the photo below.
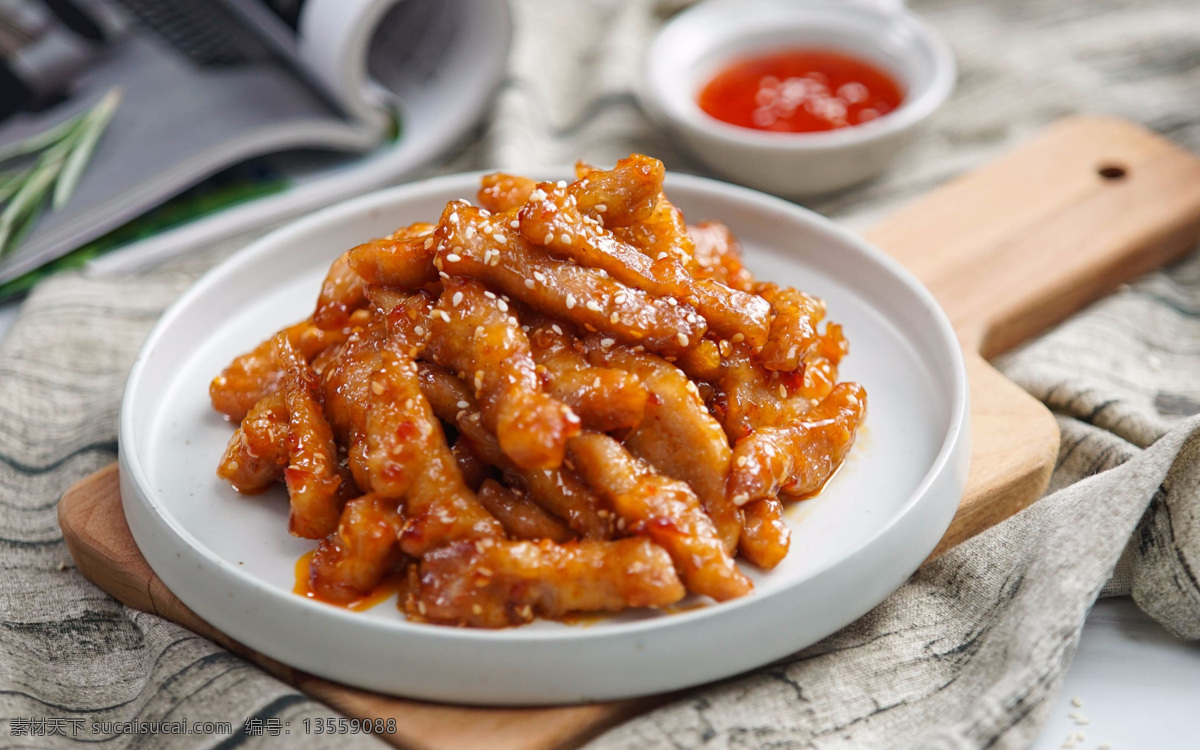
(1008, 250)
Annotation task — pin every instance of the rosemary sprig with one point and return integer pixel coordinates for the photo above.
(62, 154)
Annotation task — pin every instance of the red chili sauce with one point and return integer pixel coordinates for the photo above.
(800, 91)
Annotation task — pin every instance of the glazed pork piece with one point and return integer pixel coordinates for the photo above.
(565, 399)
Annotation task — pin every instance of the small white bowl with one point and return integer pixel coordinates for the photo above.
(699, 42)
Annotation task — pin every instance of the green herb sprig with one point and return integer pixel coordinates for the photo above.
(57, 159)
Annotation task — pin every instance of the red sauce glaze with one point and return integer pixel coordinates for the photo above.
(800, 91)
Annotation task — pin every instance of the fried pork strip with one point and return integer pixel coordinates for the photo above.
(342, 292)
(256, 373)
(605, 398)
(438, 506)
(312, 476)
(500, 191)
(664, 510)
(664, 231)
(798, 458)
(487, 248)
(474, 469)
(747, 396)
(473, 332)
(559, 491)
(552, 218)
(766, 536)
(793, 335)
(354, 559)
(718, 255)
(497, 584)
(623, 195)
(403, 260)
(258, 451)
(677, 435)
(345, 389)
(521, 517)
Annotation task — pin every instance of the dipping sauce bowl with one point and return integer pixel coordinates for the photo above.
(702, 42)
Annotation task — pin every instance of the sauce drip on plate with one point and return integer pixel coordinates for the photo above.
(800, 91)
(390, 585)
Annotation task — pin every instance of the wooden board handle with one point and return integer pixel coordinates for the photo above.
(1015, 247)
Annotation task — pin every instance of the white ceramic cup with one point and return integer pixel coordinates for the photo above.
(701, 41)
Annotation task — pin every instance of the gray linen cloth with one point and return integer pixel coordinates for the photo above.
(969, 653)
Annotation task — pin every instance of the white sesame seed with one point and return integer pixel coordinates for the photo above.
(556, 329)
(672, 301)
(741, 460)
(458, 296)
(515, 224)
(453, 258)
(614, 318)
(549, 238)
(462, 405)
(1077, 702)
(419, 330)
(682, 339)
(661, 256)
(443, 314)
(529, 283)
(428, 243)
(538, 195)
(454, 218)
(489, 294)
(570, 301)
(502, 305)
(620, 298)
(561, 184)
(499, 238)
(593, 305)
(512, 321)
(539, 276)
(596, 382)
(601, 207)
(565, 238)
(606, 343)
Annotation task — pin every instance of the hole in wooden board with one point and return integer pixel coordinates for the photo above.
(1111, 171)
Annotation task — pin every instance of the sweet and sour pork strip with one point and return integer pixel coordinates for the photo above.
(342, 292)
(664, 510)
(552, 218)
(352, 561)
(618, 197)
(521, 517)
(489, 249)
(476, 334)
(258, 451)
(403, 260)
(719, 255)
(256, 373)
(501, 191)
(407, 439)
(799, 457)
(793, 334)
(677, 435)
(494, 584)
(605, 398)
(312, 475)
(559, 491)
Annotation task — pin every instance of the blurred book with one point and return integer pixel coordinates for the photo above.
(111, 108)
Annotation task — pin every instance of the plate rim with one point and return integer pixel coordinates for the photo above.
(954, 442)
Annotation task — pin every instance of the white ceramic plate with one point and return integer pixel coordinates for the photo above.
(231, 560)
